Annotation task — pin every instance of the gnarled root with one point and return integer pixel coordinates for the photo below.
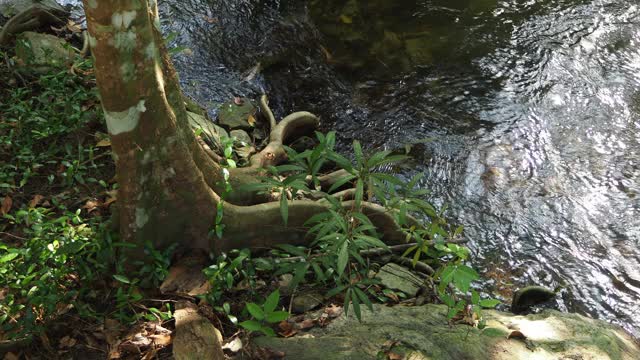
(34, 17)
(261, 226)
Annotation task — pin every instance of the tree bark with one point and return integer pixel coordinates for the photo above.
(163, 197)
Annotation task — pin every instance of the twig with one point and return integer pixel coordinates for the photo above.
(13, 236)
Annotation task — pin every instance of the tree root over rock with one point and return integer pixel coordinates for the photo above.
(34, 17)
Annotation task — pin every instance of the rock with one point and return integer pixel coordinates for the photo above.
(235, 114)
(209, 129)
(283, 284)
(241, 136)
(37, 50)
(423, 332)
(9, 8)
(530, 296)
(303, 143)
(186, 278)
(396, 277)
(196, 337)
(305, 302)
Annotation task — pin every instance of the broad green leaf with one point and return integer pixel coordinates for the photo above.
(251, 325)
(489, 303)
(255, 311)
(277, 316)
(475, 297)
(8, 257)
(271, 302)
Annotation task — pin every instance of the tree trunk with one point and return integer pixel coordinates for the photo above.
(169, 185)
(163, 197)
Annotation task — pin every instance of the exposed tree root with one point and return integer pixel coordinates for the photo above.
(266, 110)
(261, 226)
(34, 17)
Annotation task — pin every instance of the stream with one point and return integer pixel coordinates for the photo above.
(523, 114)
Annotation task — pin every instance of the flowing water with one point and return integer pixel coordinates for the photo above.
(524, 115)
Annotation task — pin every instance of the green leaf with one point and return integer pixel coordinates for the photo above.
(489, 303)
(356, 307)
(364, 298)
(475, 297)
(271, 302)
(343, 257)
(122, 279)
(251, 325)
(463, 276)
(255, 311)
(293, 250)
(357, 149)
(277, 316)
(268, 331)
(300, 271)
(359, 193)
(8, 257)
(341, 182)
(284, 207)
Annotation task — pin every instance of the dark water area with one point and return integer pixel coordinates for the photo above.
(524, 115)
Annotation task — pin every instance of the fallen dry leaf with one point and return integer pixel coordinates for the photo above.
(91, 205)
(73, 27)
(238, 100)
(210, 20)
(36, 200)
(104, 142)
(67, 342)
(306, 324)
(517, 335)
(251, 120)
(394, 356)
(7, 202)
(286, 329)
(161, 340)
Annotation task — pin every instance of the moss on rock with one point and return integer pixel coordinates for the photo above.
(424, 330)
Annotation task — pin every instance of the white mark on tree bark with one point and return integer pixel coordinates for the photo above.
(122, 20)
(141, 217)
(124, 40)
(124, 121)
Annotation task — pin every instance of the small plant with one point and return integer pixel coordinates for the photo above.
(264, 315)
(228, 270)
